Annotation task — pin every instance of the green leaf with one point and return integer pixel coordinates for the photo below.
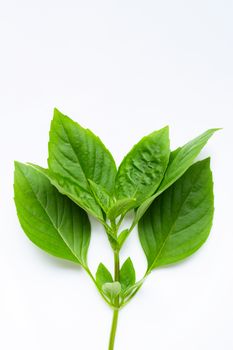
(50, 220)
(179, 220)
(121, 207)
(133, 289)
(142, 209)
(127, 275)
(111, 289)
(145, 205)
(142, 170)
(122, 237)
(180, 160)
(103, 276)
(84, 199)
(102, 197)
(75, 156)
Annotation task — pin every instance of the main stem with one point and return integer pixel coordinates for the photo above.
(113, 330)
(116, 311)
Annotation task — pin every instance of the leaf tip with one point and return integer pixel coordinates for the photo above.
(206, 161)
(56, 111)
(18, 164)
(213, 130)
(58, 115)
(128, 260)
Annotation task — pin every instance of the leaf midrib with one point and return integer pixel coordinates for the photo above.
(172, 227)
(78, 159)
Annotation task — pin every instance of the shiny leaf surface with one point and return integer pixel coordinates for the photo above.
(50, 220)
(142, 170)
(179, 220)
(180, 160)
(76, 156)
(127, 275)
(103, 275)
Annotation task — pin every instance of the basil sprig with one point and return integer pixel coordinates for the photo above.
(170, 195)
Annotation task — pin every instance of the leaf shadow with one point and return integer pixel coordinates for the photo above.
(183, 261)
(56, 262)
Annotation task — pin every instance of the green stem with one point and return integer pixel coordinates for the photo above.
(139, 287)
(113, 330)
(132, 295)
(120, 222)
(116, 273)
(116, 265)
(94, 281)
(116, 311)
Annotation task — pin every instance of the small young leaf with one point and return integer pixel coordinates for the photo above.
(122, 206)
(179, 220)
(103, 275)
(50, 220)
(142, 170)
(180, 160)
(122, 237)
(111, 290)
(131, 290)
(102, 197)
(127, 275)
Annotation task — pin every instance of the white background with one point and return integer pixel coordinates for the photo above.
(123, 69)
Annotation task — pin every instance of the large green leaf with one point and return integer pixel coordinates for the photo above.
(179, 220)
(180, 160)
(76, 156)
(142, 170)
(50, 220)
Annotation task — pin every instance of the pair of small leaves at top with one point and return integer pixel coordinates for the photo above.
(82, 171)
(111, 289)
